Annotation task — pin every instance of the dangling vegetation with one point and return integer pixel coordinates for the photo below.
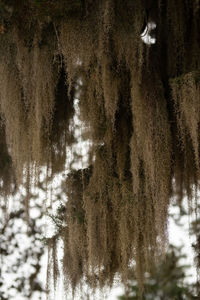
(139, 107)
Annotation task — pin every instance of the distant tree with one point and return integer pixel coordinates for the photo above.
(21, 250)
(165, 281)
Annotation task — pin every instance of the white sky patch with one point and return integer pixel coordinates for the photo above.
(146, 35)
(180, 236)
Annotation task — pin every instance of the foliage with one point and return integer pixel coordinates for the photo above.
(21, 250)
(165, 281)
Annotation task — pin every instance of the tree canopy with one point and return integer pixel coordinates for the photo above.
(165, 281)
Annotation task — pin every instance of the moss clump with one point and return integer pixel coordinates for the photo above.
(143, 127)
